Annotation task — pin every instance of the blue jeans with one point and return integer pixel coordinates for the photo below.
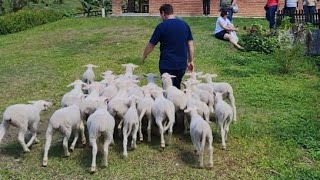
(178, 73)
(270, 15)
(290, 11)
(309, 12)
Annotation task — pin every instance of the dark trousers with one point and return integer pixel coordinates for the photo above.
(290, 11)
(309, 12)
(270, 15)
(178, 73)
(206, 7)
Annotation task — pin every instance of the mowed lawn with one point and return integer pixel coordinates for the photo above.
(276, 136)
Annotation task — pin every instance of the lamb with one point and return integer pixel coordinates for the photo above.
(100, 123)
(65, 120)
(144, 106)
(163, 110)
(175, 95)
(129, 70)
(89, 76)
(74, 96)
(200, 131)
(90, 103)
(25, 117)
(224, 88)
(224, 115)
(130, 125)
(203, 109)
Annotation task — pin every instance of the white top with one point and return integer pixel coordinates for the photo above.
(291, 3)
(224, 22)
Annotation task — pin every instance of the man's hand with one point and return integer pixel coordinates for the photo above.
(190, 67)
(143, 59)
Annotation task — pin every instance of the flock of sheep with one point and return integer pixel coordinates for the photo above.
(119, 103)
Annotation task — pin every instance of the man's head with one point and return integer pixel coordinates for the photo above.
(165, 11)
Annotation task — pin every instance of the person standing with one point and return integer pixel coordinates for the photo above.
(176, 45)
(227, 5)
(271, 9)
(290, 7)
(309, 8)
(206, 7)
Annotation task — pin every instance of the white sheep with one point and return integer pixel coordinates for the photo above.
(224, 88)
(25, 117)
(100, 123)
(89, 76)
(163, 112)
(202, 108)
(224, 115)
(129, 70)
(75, 95)
(200, 131)
(175, 95)
(144, 107)
(65, 120)
(130, 125)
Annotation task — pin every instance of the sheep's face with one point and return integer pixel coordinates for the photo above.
(42, 104)
(46, 104)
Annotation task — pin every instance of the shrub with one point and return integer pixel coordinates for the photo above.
(25, 19)
(258, 39)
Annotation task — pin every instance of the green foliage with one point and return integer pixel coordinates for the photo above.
(258, 39)
(25, 19)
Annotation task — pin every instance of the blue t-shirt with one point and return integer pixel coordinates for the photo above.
(173, 35)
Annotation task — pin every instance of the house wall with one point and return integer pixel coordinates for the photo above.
(248, 8)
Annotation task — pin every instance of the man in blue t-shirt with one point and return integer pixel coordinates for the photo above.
(176, 45)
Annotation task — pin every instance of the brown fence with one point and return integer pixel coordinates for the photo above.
(299, 17)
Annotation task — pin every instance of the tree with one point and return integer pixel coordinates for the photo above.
(1, 8)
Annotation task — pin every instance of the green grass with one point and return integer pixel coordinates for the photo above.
(276, 137)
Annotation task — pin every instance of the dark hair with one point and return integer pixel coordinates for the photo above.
(223, 12)
(167, 9)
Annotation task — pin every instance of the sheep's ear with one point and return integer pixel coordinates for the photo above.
(214, 93)
(134, 66)
(95, 66)
(31, 102)
(72, 84)
(172, 76)
(124, 65)
(187, 110)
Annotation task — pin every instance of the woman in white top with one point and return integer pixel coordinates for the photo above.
(224, 28)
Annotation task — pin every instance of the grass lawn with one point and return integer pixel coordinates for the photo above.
(276, 136)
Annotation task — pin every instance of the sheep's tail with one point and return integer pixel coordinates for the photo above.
(171, 121)
(129, 130)
(143, 112)
(3, 128)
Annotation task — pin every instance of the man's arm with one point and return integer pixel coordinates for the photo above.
(148, 49)
(190, 55)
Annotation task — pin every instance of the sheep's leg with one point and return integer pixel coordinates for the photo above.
(170, 134)
(198, 145)
(186, 123)
(21, 135)
(159, 123)
(93, 143)
(83, 137)
(47, 146)
(233, 104)
(125, 140)
(195, 149)
(33, 130)
(76, 136)
(223, 137)
(3, 129)
(120, 126)
(210, 151)
(227, 127)
(134, 137)
(107, 142)
(149, 127)
(65, 143)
